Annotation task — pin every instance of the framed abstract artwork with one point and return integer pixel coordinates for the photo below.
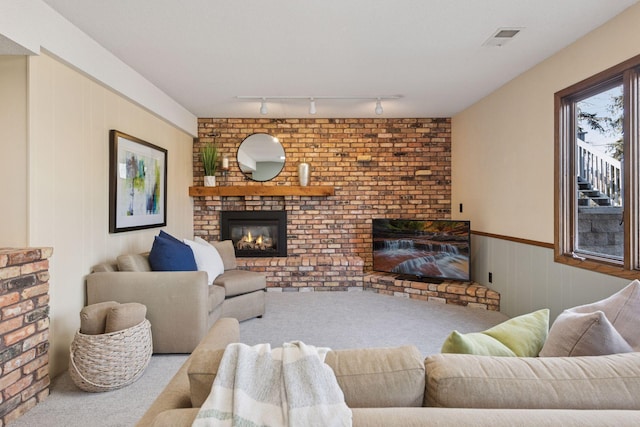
(137, 184)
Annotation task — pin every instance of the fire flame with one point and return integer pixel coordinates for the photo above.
(248, 242)
(249, 238)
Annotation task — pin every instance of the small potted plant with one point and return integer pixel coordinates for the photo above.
(210, 163)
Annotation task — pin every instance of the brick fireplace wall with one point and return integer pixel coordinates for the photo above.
(379, 167)
(24, 330)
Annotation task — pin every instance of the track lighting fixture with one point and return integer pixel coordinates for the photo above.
(378, 109)
(312, 100)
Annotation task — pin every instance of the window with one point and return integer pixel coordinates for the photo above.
(598, 172)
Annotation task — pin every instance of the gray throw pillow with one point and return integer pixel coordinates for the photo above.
(607, 326)
(93, 317)
(623, 311)
(583, 334)
(134, 262)
(226, 251)
(125, 316)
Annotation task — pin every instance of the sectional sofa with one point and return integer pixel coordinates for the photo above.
(397, 387)
(181, 305)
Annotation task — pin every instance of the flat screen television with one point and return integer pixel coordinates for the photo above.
(424, 250)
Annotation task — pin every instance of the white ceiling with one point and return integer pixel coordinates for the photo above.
(205, 53)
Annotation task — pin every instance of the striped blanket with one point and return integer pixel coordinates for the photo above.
(287, 386)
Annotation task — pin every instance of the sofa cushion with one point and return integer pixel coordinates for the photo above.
(93, 318)
(125, 316)
(367, 377)
(238, 282)
(521, 336)
(379, 377)
(169, 254)
(462, 417)
(468, 381)
(207, 259)
(134, 262)
(215, 297)
(227, 253)
(583, 334)
(459, 417)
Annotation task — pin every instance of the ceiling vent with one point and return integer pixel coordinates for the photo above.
(501, 37)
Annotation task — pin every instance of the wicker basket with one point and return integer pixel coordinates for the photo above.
(110, 361)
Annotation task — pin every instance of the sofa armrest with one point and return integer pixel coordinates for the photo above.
(589, 382)
(172, 407)
(176, 418)
(176, 303)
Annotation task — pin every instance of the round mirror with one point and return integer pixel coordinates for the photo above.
(261, 157)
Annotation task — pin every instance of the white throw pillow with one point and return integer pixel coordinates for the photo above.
(207, 259)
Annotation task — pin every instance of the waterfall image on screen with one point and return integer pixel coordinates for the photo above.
(423, 249)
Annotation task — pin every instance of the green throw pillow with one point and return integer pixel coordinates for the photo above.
(521, 336)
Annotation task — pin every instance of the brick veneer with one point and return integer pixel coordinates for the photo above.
(335, 273)
(379, 168)
(344, 273)
(466, 294)
(24, 330)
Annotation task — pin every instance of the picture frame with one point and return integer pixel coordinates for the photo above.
(137, 183)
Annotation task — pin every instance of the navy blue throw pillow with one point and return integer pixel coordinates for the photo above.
(170, 254)
(165, 235)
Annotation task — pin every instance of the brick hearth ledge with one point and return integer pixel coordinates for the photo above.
(345, 273)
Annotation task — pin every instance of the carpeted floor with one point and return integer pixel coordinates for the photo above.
(332, 319)
(362, 319)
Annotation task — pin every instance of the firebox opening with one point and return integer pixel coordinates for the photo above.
(260, 238)
(255, 233)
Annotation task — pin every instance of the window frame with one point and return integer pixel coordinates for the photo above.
(628, 73)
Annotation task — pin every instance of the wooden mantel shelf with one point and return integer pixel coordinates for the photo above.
(261, 190)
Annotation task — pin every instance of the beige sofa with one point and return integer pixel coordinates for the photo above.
(397, 387)
(181, 306)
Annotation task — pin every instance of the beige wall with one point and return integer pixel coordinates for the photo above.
(503, 145)
(503, 172)
(70, 117)
(13, 149)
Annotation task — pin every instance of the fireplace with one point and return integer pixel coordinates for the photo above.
(255, 233)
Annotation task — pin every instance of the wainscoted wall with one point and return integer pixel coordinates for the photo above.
(379, 168)
(528, 279)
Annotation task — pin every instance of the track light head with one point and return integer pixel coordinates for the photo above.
(379, 109)
(312, 100)
(312, 106)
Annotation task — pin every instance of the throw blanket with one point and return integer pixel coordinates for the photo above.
(288, 386)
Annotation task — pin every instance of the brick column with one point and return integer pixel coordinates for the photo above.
(24, 330)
